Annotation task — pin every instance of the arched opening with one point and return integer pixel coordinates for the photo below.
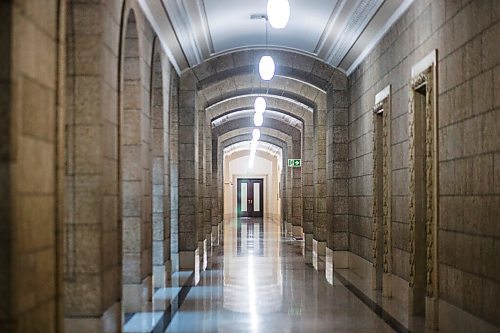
(260, 180)
(160, 175)
(135, 178)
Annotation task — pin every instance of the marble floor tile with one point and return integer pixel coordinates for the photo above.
(262, 284)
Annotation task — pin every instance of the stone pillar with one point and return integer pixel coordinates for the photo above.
(202, 241)
(207, 200)
(160, 170)
(337, 181)
(296, 202)
(283, 189)
(92, 282)
(216, 218)
(174, 173)
(188, 175)
(319, 175)
(289, 188)
(308, 191)
(135, 163)
(220, 195)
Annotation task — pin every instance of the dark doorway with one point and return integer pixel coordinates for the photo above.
(250, 197)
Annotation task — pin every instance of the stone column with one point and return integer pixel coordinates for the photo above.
(289, 188)
(337, 182)
(135, 163)
(283, 188)
(220, 195)
(296, 202)
(160, 170)
(308, 191)
(207, 200)
(174, 173)
(202, 241)
(92, 282)
(216, 218)
(319, 175)
(188, 175)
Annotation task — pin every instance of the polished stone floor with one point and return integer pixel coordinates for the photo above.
(258, 282)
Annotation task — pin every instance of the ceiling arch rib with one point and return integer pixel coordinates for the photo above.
(252, 84)
(245, 146)
(281, 72)
(269, 114)
(265, 132)
(288, 64)
(247, 123)
(255, 92)
(266, 139)
(276, 103)
(296, 102)
(248, 137)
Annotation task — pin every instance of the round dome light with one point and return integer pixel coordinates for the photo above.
(260, 105)
(278, 13)
(256, 134)
(258, 119)
(266, 68)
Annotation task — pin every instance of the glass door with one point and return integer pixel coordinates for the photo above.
(250, 197)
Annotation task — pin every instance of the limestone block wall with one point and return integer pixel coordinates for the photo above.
(465, 34)
(31, 164)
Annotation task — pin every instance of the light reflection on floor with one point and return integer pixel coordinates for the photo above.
(260, 284)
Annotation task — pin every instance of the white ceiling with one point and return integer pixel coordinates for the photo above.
(339, 32)
(236, 30)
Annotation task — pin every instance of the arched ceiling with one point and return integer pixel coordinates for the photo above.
(242, 140)
(269, 114)
(276, 103)
(339, 32)
(266, 147)
(247, 123)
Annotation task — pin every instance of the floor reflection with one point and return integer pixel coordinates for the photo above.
(252, 278)
(258, 282)
(249, 237)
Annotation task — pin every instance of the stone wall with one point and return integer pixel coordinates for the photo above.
(466, 35)
(31, 113)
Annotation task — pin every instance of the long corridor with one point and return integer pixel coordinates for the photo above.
(260, 283)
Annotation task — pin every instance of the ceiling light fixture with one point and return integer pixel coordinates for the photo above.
(278, 12)
(256, 134)
(258, 119)
(266, 68)
(266, 63)
(260, 105)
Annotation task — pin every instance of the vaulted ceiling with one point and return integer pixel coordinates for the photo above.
(339, 32)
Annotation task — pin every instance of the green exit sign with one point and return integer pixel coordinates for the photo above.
(294, 162)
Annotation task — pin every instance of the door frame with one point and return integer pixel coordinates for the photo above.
(262, 194)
